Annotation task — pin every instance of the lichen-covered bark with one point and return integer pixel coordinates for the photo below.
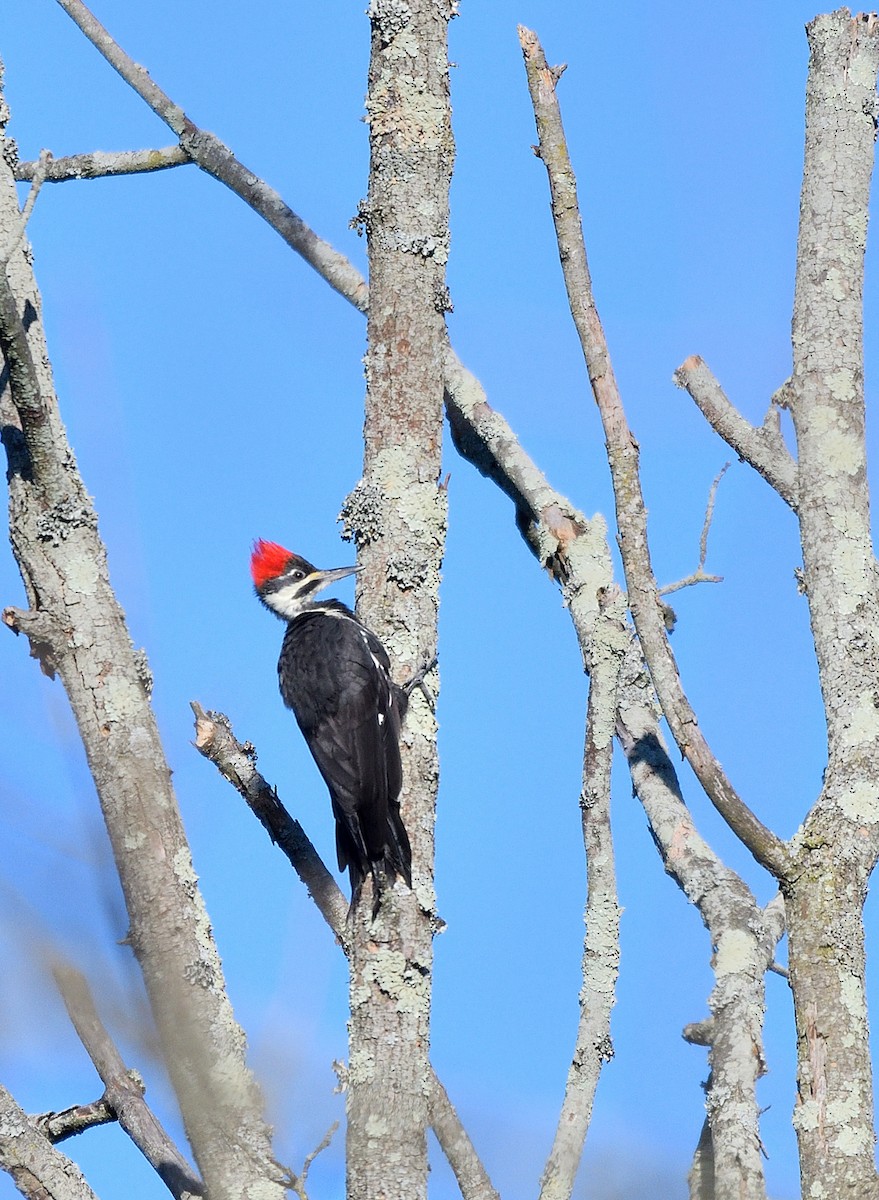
(836, 849)
(76, 626)
(728, 1162)
(397, 516)
(37, 1169)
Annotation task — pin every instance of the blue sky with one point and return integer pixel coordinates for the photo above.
(212, 388)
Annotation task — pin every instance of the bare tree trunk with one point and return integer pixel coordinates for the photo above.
(837, 847)
(397, 515)
(76, 627)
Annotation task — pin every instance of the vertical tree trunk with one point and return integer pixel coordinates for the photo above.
(836, 848)
(397, 516)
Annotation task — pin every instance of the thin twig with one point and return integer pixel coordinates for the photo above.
(298, 1182)
(709, 514)
(700, 575)
(101, 164)
(631, 511)
(124, 1092)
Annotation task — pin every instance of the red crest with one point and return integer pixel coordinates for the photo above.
(267, 561)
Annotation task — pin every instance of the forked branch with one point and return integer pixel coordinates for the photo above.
(762, 446)
(37, 1169)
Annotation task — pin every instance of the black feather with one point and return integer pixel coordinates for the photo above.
(335, 676)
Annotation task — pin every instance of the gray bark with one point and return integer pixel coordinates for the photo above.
(78, 630)
(397, 517)
(837, 847)
(38, 1170)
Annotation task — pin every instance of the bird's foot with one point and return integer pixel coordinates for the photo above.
(417, 681)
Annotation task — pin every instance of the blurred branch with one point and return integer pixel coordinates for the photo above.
(236, 762)
(298, 1182)
(214, 157)
(124, 1092)
(38, 1170)
(622, 451)
(764, 447)
(102, 163)
(457, 1147)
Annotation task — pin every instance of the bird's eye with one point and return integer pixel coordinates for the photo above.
(297, 575)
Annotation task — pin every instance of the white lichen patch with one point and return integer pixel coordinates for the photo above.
(860, 802)
(807, 1116)
(843, 450)
(135, 839)
(734, 950)
(853, 1136)
(82, 575)
(377, 1127)
(852, 996)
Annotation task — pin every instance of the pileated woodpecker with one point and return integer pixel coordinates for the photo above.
(335, 675)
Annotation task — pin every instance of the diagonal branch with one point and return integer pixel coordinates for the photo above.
(217, 159)
(236, 762)
(744, 937)
(123, 1093)
(764, 447)
(622, 448)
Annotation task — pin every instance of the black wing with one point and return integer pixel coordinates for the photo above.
(335, 675)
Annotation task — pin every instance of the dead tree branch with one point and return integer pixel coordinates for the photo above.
(101, 164)
(623, 452)
(763, 447)
(236, 762)
(59, 1126)
(744, 937)
(601, 951)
